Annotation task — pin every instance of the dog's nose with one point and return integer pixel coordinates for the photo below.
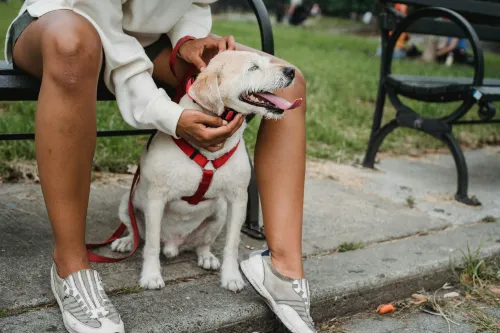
(289, 72)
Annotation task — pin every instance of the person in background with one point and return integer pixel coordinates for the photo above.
(454, 51)
(400, 51)
(315, 10)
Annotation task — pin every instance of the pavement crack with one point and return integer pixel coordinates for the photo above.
(392, 239)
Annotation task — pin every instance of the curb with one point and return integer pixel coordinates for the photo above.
(342, 284)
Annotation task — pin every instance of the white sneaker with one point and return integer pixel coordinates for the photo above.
(84, 304)
(289, 299)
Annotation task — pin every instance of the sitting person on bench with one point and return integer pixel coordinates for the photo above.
(71, 45)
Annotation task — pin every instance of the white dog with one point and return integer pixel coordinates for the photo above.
(171, 173)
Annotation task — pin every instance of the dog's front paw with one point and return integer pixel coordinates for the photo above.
(152, 281)
(208, 261)
(123, 244)
(233, 281)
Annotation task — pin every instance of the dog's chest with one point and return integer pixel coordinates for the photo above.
(170, 171)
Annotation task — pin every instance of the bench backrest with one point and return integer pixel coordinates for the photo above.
(483, 15)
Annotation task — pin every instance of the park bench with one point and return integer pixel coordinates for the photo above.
(18, 86)
(472, 19)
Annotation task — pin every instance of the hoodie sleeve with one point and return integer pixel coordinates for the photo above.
(196, 22)
(128, 71)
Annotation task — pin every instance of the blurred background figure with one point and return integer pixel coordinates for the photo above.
(315, 10)
(402, 49)
(295, 12)
(454, 51)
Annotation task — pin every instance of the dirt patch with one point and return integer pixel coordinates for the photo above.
(347, 175)
(19, 172)
(26, 172)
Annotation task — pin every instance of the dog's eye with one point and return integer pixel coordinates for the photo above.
(253, 68)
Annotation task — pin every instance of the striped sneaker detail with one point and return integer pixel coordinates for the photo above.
(84, 304)
(84, 287)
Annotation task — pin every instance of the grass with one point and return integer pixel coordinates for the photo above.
(489, 219)
(480, 278)
(342, 77)
(410, 201)
(350, 246)
(476, 299)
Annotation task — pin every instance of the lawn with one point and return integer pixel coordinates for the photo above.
(342, 76)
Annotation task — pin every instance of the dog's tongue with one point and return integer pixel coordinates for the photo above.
(280, 102)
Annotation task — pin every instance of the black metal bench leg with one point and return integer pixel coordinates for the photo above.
(371, 151)
(376, 142)
(462, 172)
(252, 227)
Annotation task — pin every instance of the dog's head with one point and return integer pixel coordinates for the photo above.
(245, 82)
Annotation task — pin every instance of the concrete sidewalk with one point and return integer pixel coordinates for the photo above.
(406, 249)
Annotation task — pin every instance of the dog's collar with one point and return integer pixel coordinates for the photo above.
(228, 113)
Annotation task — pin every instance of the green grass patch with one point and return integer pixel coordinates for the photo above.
(350, 246)
(342, 77)
(489, 219)
(410, 201)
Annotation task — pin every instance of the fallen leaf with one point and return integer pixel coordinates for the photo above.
(495, 291)
(131, 168)
(452, 295)
(420, 299)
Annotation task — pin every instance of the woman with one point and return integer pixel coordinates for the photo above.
(66, 43)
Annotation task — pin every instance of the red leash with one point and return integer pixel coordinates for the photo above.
(120, 231)
(122, 228)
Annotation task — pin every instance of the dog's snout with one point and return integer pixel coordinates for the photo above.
(289, 72)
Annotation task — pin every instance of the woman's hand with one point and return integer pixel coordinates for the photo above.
(193, 51)
(205, 131)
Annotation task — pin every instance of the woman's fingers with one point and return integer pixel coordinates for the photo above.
(231, 44)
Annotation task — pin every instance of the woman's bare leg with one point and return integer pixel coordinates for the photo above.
(280, 156)
(64, 50)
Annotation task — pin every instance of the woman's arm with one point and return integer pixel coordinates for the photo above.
(128, 72)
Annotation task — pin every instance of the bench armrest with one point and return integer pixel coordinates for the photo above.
(266, 30)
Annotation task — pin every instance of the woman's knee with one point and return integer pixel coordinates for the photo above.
(71, 51)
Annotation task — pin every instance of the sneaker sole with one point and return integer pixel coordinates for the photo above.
(52, 285)
(259, 287)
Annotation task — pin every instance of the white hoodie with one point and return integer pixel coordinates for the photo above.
(125, 26)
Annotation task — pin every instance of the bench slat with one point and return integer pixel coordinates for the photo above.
(17, 86)
(441, 89)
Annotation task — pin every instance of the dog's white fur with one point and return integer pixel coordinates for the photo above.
(167, 174)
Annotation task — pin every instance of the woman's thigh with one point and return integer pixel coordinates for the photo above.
(57, 38)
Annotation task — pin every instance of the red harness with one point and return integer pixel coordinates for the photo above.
(202, 161)
(189, 150)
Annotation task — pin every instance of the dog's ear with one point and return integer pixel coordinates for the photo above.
(205, 91)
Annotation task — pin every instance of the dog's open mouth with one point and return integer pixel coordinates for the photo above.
(270, 101)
